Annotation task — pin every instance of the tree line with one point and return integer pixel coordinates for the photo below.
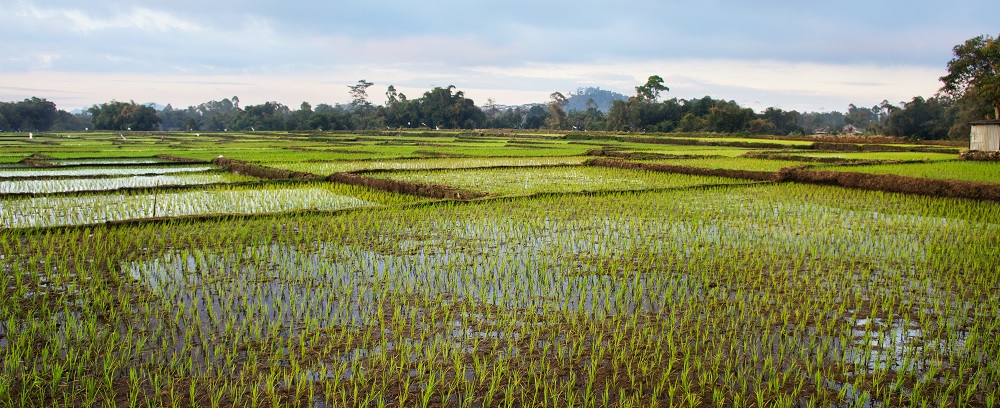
(938, 117)
(971, 92)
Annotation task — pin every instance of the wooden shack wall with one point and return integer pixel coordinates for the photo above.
(985, 137)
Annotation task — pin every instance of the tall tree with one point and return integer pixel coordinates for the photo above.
(975, 70)
(359, 94)
(33, 114)
(651, 90)
(393, 96)
(362, 118)
(440, 107)
(116, 115)
(557, 118)
(922, 119)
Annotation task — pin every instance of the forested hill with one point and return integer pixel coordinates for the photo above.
(603, 98)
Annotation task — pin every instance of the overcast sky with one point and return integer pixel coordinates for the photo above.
(804, 55)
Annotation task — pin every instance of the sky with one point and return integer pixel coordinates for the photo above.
(802, 55)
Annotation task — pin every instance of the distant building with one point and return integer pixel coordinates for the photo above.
(821, 131)
(851, 130)
(985, 136)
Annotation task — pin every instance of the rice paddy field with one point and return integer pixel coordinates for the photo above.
(537, 180)
(897, 156)
(330, 167)
(733, 163)
(567, 285)
(950, 170)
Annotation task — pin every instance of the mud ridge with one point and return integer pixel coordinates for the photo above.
(256, 170)
(406, 187)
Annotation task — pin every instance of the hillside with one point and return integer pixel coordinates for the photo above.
(603, 98)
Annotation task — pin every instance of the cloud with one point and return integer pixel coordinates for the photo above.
(136, 18)
(772, 83)
(757, 84)
(514, 51)
(415, 49)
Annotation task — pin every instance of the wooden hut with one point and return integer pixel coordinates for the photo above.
(985, 136)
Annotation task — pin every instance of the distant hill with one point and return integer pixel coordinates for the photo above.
(603, 98)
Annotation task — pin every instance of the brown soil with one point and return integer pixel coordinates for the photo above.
(406, 187)
(896, 184)
(865, 181)
(979, 155)
(852, 147)
(831, 160)
(34, 163)
(178, 159)
(256, 170)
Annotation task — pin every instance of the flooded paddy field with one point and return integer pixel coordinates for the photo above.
(79, 184)
(87, 171)
(535, 180)
(327, 168)
(607, 288)
(84, 209)
(774, 295)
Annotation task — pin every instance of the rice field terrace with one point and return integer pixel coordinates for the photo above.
(894, 156)
(988, 172)
(327, 168)
(129, 281)
(54, 172)
(537, 180)
(734, 163)
(63, 185)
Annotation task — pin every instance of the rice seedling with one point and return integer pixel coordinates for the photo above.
(84, 209)
(106, 161)
(742, 295)
(900, 156)
(534, 180)
(101, 171)
(734, 163)
(987, 172)
(327, 168)
(65, 185)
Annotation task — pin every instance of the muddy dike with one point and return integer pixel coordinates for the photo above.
(34, 163)
(753, 144)
(864, 181)
(256, 170)
(826, 160)
(979, 155)
(699, 171)
(36, 160)
(708, 142)
(179, 159)
(895, 184)
(406, 187)
(853, 147)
